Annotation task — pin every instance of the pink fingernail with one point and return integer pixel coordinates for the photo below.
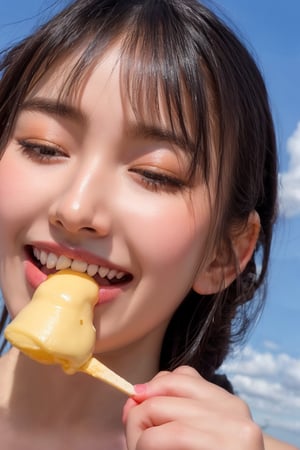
(140, 388)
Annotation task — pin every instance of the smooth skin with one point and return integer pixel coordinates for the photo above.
(91, 182)
(183, 409)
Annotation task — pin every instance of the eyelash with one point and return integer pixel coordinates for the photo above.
(41, 152)
(156, 181)
(152, 180)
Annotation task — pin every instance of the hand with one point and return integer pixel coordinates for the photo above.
(181, 411)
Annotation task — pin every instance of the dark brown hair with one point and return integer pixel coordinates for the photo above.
(178, 51)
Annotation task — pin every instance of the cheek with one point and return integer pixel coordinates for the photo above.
(21, 190)
(167, 242)
(168, 238)
(11, 194)
(169, 235)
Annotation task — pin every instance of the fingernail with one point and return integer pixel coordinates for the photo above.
(141, 392)
(140, 389)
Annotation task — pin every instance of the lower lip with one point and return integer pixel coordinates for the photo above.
(35, 277)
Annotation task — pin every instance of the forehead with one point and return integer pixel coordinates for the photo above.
(144, 100)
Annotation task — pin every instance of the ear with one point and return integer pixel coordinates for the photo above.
(222, 270)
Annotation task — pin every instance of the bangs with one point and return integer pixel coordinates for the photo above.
(162, 77)
(167, 74)
(161, 90)
(164, 69)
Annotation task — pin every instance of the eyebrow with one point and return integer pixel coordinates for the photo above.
(133, 130)
(53, 107)
(145, 131)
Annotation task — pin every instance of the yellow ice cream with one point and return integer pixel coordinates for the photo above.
(56, 327)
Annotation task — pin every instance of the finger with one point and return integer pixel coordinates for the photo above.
(162, 373)
(130, 403)
(142, 389)
(183, 382)
(178, 436)
(156, 411)
(172, 435)
(188, 371)
(191, 424)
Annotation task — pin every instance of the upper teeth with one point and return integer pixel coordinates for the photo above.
(52, 261)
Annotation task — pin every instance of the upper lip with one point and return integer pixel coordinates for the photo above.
(76, 254)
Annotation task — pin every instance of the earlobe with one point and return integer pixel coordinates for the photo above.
(226, 265)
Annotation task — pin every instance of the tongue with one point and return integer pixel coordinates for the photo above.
(101, 281)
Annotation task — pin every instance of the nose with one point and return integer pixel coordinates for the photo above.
(81, 206)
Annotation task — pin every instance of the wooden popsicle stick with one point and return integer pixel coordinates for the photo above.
(98, 370)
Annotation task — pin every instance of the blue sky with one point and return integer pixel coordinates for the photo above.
(267, 371)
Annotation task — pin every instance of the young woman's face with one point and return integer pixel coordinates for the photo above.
(84, 182)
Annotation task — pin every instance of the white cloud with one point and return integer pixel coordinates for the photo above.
(270, 345)
(289, 181)
(270, 383)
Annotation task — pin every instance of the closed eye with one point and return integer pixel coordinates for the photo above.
(40, 151)
(158, 181)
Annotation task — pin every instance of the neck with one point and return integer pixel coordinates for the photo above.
(47, 407)
(44, 396)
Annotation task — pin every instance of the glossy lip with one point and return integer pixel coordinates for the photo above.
(35, 276)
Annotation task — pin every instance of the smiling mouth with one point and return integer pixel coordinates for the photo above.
(49, 263)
